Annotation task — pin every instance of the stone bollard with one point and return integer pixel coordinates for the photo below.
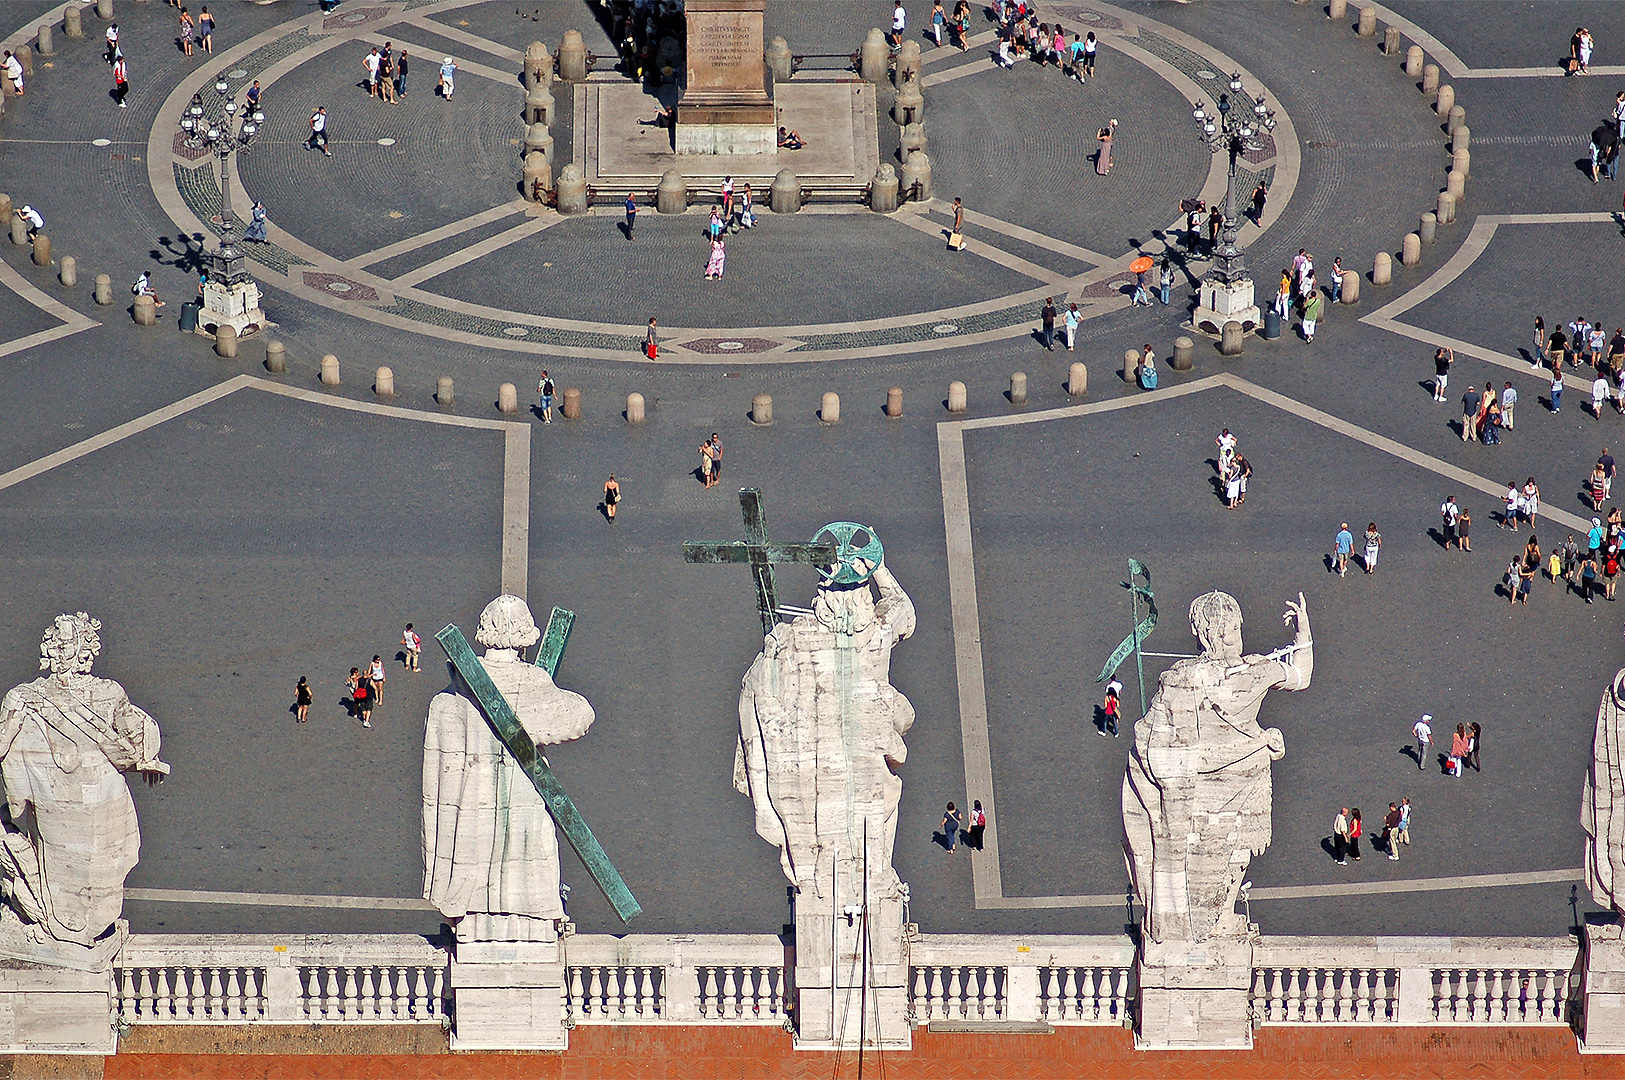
(1410, 252)
(894, 402)
(573, 57)
(1018, 388)
(1382, 269)
(42, 249)
(1184, 354)
(1447, 208)
(537, 137)
(1428, 230)
(907, 71)
(912, 139)
(957, 401)
(1430, 79)
(445, 392)
(1338, 10)
(70, 22)
(1455, 185)
(330, 370)
(572, 404)
(44, 44)
(761, 409)
(537, 176)
(1077, 379)
(104, 290)
(785, 198)
(1413, 61)
(1131, 360)
(872, 56)
(5, 206)
(778, 59)
(507, 398)
(539, 106)
(1445, 101)
(829, 409)
(26, 55)
(383, 382)
(68, 274)
(19, 231)
(1462, 139)
(883, 191)
(145, 310)
(1230, 339)
(1390, 41)
(1351, 287)
(1461, 161)
(671, 197)
(1456, 118)
(909, 107)
(104, 10)
(538, 66)
(916, 181)
(634, 408)
(1368, 21)
(276, 357)
(225, 342)
(572, 190)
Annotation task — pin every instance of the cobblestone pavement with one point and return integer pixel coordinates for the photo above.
(261, 536)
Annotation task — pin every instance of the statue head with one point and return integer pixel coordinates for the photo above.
(70, 644)
(506, 623)
(844, 609)
(1216, 622)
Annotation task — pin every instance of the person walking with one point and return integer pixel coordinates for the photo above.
(1423, 730)
(1356, 830)
(361, 697)
(1312, 308)
(1470, 402)
(121, 80)
(1450, 514)
(302, 699)
(1531, 501)
(1390, 832)
(1344, 547)
(1112, 708)
(1475, 735)
(978, 826)
(939, 21)
(545, 389)
(1588, 577)
(257, 230)
(1442, 359)
(1538, 353)
(318, 131)
(1557, 391)
(400, 76)
(205, 29)
(188, 31)
(1464, 530)
(1373, 545)
(899, 23)
(1073, 317)
(113, 51)
(414, 647)
(1405, 821)
(717, 262)
(1509, 399)
(1165, 282)
(651, 340)
(1091, 48)
(1047, 317)
(612, 497)
(1528, 566)
(375, 672)
(950, 817)
(631, 214)
(253, 95)
(1458, 750)
(1340, 837)
(448, 77)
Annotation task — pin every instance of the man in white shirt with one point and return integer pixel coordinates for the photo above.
(899, 21)
(372, 63)
(14, 72)
(1424, 737)
(318, 131)
(31, 216)
(1451, 513)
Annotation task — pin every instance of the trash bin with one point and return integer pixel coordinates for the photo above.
(1272, 324)
(189, 312)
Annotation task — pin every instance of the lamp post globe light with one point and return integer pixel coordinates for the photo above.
(230, 295)
(1236, 125)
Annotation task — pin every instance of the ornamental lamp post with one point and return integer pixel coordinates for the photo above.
(230, 295)
(1227, 290)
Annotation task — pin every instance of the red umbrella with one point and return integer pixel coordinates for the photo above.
(1142, 264)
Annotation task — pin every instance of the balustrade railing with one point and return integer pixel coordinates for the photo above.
(1060, 979)
(656, 978)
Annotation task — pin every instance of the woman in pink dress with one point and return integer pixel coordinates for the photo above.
(713, 268)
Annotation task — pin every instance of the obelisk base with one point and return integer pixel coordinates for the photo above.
(726, 129)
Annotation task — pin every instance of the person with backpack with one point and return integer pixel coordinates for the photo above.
(544, 390)
(978, 824)
(361, 696)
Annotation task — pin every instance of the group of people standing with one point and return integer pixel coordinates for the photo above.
(1300, 290)
(365, 686)
(1348, 827)
(1580, 344)
(1234, 470)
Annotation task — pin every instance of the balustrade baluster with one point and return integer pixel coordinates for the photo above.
(1496, 997)
(1550, 1001)
(437, 995)
(1277, 1011)
(1256, 997)
(234, 994)
(146, 997)
(914, 998)
(196, 995)
(367, 1007)
(164, 1001)
(125, 983)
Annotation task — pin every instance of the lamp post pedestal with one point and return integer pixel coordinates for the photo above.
(1221, 302)
(236, 306)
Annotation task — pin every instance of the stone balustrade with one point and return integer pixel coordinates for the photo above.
(657, 978)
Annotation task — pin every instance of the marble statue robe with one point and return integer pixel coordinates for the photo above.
(70, 834)
(821, 731)
(489, 843)
(1602, 805)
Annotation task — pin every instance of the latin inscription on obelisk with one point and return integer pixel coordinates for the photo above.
(726, 107)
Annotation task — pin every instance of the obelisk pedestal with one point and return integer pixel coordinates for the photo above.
(726, 107)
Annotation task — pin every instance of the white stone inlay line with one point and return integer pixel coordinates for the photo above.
(297, 900)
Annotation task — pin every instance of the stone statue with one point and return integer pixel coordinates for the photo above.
(68, 834)
(821, 730)
(489, 844)
(1196, 797)
(1602, 806)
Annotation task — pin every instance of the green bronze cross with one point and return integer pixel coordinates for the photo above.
(761, 553)
(519, 744)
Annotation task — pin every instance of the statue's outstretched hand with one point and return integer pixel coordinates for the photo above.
(1298, 613)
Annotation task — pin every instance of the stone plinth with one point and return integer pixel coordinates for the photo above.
(833, 1009)
(509, 996)
(727, 107)
(237, 306)
(1221, 303)
(54, 1010)
(1195, 995)
(1603, 1031)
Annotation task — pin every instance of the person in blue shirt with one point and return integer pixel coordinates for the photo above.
(631, 214)
(1345, 548)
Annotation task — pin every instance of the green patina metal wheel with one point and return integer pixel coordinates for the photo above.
(853, 542)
